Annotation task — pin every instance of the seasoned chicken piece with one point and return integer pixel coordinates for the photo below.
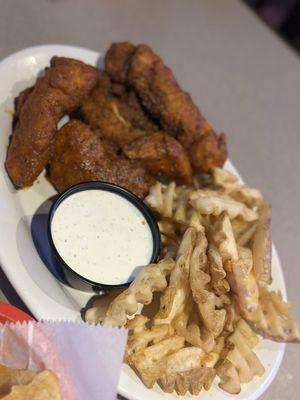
(58, 92)
(79, 156)
(119, 119)
(118, 60)
(19, 102)
(144, 71)
(161, 155)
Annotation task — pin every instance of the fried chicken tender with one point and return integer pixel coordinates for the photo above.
(119, 119)
(19, 102)
(58, 92)
(161, 155)
(142, 69)
(79, 156)
(118, 60)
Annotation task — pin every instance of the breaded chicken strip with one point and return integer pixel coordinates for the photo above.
(118, 61)
(60, 91)
(155, 84)
(79, 156)
(161, 155)
(19, 102)
(118, 118)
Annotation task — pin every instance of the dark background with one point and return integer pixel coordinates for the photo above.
(281, 15)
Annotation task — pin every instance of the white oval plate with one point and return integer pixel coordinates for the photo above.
(23, 217)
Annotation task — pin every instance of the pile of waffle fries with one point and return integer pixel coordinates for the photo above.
(212, 283)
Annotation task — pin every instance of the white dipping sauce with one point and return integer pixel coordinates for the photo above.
(101, 236)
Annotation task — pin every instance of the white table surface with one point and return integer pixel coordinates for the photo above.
(245, 79)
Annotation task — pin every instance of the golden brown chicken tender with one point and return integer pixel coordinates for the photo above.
(118, 118)
(58, 92)
(118, 60)
(79, 156)
(19, 102)
(155, 84)
(161, 155)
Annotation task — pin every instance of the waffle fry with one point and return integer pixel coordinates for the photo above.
(187, 324)
(140, 336)
(150, 279)
(218, 275)
(151, 362)
(97, 312)
(209, 203)
(189, 369)
(230, 381)
(262, 247)
(192, 380)
(172, 202)
(223, 237)
(213, 319)
(167, 201)
(173, 300)
(274, 318)
(245, 283)
(231, 186)
(243, 358)
(240, 364)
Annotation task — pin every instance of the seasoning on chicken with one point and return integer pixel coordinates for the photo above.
(58, 92)
(118, 118)
(118, 60)
(79, 156)
(144, 71)
(162, 155)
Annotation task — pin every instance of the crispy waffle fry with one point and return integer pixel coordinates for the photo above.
(231, 186)
(213, 319)
(194, 380)
(262, 247)
(230, 381)
(187, 324)
(245, 283)
(187, 370)
(140, 336)
(231, 318)
(222, 177)
(274, 318)
(241, 364)
(150, 279)
(174, 298)
(151, 361)
(43, 386)
(218, 275)
(96, 313)
(172, 202)
(209, 203)
(222, 236)
(245, 340)
(220, 239)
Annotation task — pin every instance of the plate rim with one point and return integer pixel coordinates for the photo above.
(50, 49)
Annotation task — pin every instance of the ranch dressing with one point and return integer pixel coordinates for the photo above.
(101, 236)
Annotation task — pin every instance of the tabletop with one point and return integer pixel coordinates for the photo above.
(244, 78)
